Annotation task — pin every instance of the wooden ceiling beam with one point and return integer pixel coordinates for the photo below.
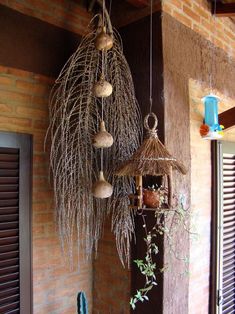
(139, 3)
(223, 9)
(127, 13)
(227, 118)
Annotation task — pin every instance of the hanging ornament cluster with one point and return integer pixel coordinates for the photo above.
(94, 125)
(102, 89)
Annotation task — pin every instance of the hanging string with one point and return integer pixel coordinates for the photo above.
(151, 59)
(103, 8)
(212, 49)
(110, 7)
(102, 100)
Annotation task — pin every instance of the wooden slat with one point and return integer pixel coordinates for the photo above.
(16, 311)
(9, 255)
(9, 225)
(9, 172)
(9, 180)
(9, 187)
(9, 151)
(9, 157)
(9, 233)
(9, 277)
(9, 240)
(9, 248)
(9, 270)
(9, 262)
(7, 292)
(10, 299)
(9, 284)
(9, 165)
(9, 195)
(229, 290)
(9, 217)
(8, 210)
(6, 308)
(10, 203)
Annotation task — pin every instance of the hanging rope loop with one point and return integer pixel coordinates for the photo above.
(146, 123)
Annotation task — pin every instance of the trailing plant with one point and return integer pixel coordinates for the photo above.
(178, 216)
(147, 267)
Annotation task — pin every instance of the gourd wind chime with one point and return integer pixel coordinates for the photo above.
(152, 158)
(94, 125)
(211, 129)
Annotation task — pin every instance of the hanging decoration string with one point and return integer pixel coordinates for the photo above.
(102, 99)
(110, 7)
(212, 49)
(103, 8)
(151, 59)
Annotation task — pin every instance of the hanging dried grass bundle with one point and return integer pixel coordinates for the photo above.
(75, 116)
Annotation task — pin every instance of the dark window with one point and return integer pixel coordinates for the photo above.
(15, 223)
(223, 229)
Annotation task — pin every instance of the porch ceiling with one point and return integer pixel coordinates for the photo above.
(224, 8)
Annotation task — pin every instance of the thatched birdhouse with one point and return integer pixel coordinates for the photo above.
(153, 159)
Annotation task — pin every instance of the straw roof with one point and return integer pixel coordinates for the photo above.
(152, 157)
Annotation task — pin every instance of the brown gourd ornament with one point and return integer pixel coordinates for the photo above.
(101, 188)
(102, 88)
(103, 41)
(102, 139)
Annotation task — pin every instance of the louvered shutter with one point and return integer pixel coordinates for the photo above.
(9, 230)
(223, 229)
(15, 268)
(228, 260)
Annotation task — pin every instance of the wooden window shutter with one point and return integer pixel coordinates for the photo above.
(224, 229)
(15, 225)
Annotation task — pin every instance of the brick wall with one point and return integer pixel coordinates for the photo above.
(187, 56)
(196, 14)
(24, 109)
(111, 281)
(63, 13)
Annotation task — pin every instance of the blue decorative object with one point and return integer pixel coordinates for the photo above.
(211, 129)
(82, 303)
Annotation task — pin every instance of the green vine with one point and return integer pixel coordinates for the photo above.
(147, 267)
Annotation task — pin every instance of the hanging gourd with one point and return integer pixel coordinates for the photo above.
(103, 41)
(101, 188)
(211, 129)
(102, 88)
(102, 139)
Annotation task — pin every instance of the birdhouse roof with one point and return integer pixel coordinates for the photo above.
(152, 158)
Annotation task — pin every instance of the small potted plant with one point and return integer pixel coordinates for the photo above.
(154, 196)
